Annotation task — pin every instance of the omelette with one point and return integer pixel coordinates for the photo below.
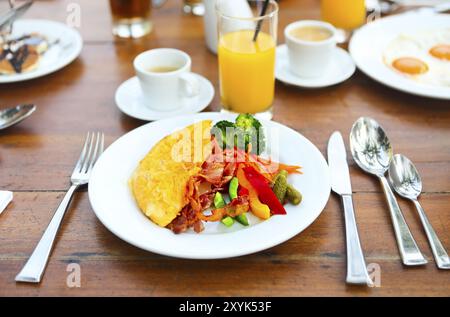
(159, 182)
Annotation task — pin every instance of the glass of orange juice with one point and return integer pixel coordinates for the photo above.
(345, 15)
(247, 56)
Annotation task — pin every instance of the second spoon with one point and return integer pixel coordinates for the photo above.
(405, 180)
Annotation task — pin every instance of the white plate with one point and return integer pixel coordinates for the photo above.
(57, 57)
(114, 204)
(341, 68)
(368, 43)
(129, 100)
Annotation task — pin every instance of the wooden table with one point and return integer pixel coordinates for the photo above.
(37, 156)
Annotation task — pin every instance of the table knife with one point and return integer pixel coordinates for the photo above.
(5, 198)
(340, 184)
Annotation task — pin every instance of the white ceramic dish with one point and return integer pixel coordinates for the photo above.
(114, 204)
(58, 56)
(340, 69)
(129, 100)
(368, 43)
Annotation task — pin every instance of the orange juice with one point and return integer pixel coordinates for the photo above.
(344, 14)
(247, 71)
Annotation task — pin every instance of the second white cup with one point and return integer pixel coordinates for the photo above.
(165, 78)
(309, 58)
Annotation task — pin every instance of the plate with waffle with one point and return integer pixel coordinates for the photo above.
(36, 48)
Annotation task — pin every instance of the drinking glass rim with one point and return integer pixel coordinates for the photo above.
(267, 15)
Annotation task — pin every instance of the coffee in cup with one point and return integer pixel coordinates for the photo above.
(311, 33)
(162, 69)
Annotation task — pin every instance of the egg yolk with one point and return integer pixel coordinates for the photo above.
(441, 51)
(410, 65)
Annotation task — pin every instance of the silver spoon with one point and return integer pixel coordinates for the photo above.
(12, 116)
(372, 151)
(406, 181)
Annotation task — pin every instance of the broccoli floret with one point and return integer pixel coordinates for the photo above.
(253, 133)
(247, 130)
(246, 121)
(224, 132)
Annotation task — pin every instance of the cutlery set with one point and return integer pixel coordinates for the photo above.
(373, 153)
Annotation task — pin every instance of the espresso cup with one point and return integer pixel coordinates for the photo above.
(165, 78)
(308, 58)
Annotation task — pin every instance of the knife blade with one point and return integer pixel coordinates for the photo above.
(337, 160)
(5, 198)
(340, 183)
(13, 14)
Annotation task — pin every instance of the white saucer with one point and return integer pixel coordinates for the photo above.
(129, 100)
(341, 68)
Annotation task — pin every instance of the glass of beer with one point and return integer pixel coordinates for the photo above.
(131, 18)
(247, 56)
(195, 7)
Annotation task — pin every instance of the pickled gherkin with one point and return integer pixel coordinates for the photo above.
(285, 191)
(293, 195)
(280, 185)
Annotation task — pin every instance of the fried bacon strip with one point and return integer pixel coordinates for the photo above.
(200, 191)
(236, 207)
(267, 167)
(186, 219)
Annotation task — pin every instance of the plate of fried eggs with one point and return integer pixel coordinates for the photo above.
(409, 52)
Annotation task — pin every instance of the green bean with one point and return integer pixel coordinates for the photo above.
(219, 202)
(227, 221)
(242, 219)
(233, 188)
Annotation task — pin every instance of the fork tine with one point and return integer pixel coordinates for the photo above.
(89, 154)
(95, 153)
(102, 143)
(83, 153)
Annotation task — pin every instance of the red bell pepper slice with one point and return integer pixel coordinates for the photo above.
(265, 193)
(242, 191)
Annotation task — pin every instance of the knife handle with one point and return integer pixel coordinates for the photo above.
(356, 265)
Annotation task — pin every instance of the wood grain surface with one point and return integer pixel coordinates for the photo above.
(37, 157)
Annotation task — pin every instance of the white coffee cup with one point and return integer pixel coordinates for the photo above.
(165, 91)
(309, 58)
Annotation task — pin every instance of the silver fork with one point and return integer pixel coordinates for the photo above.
(34, 268)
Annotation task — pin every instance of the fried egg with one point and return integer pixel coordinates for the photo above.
(421, 56)
(441, 51)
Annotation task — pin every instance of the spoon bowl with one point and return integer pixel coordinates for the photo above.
(404, 177)
(12, 116)
(370, 146)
